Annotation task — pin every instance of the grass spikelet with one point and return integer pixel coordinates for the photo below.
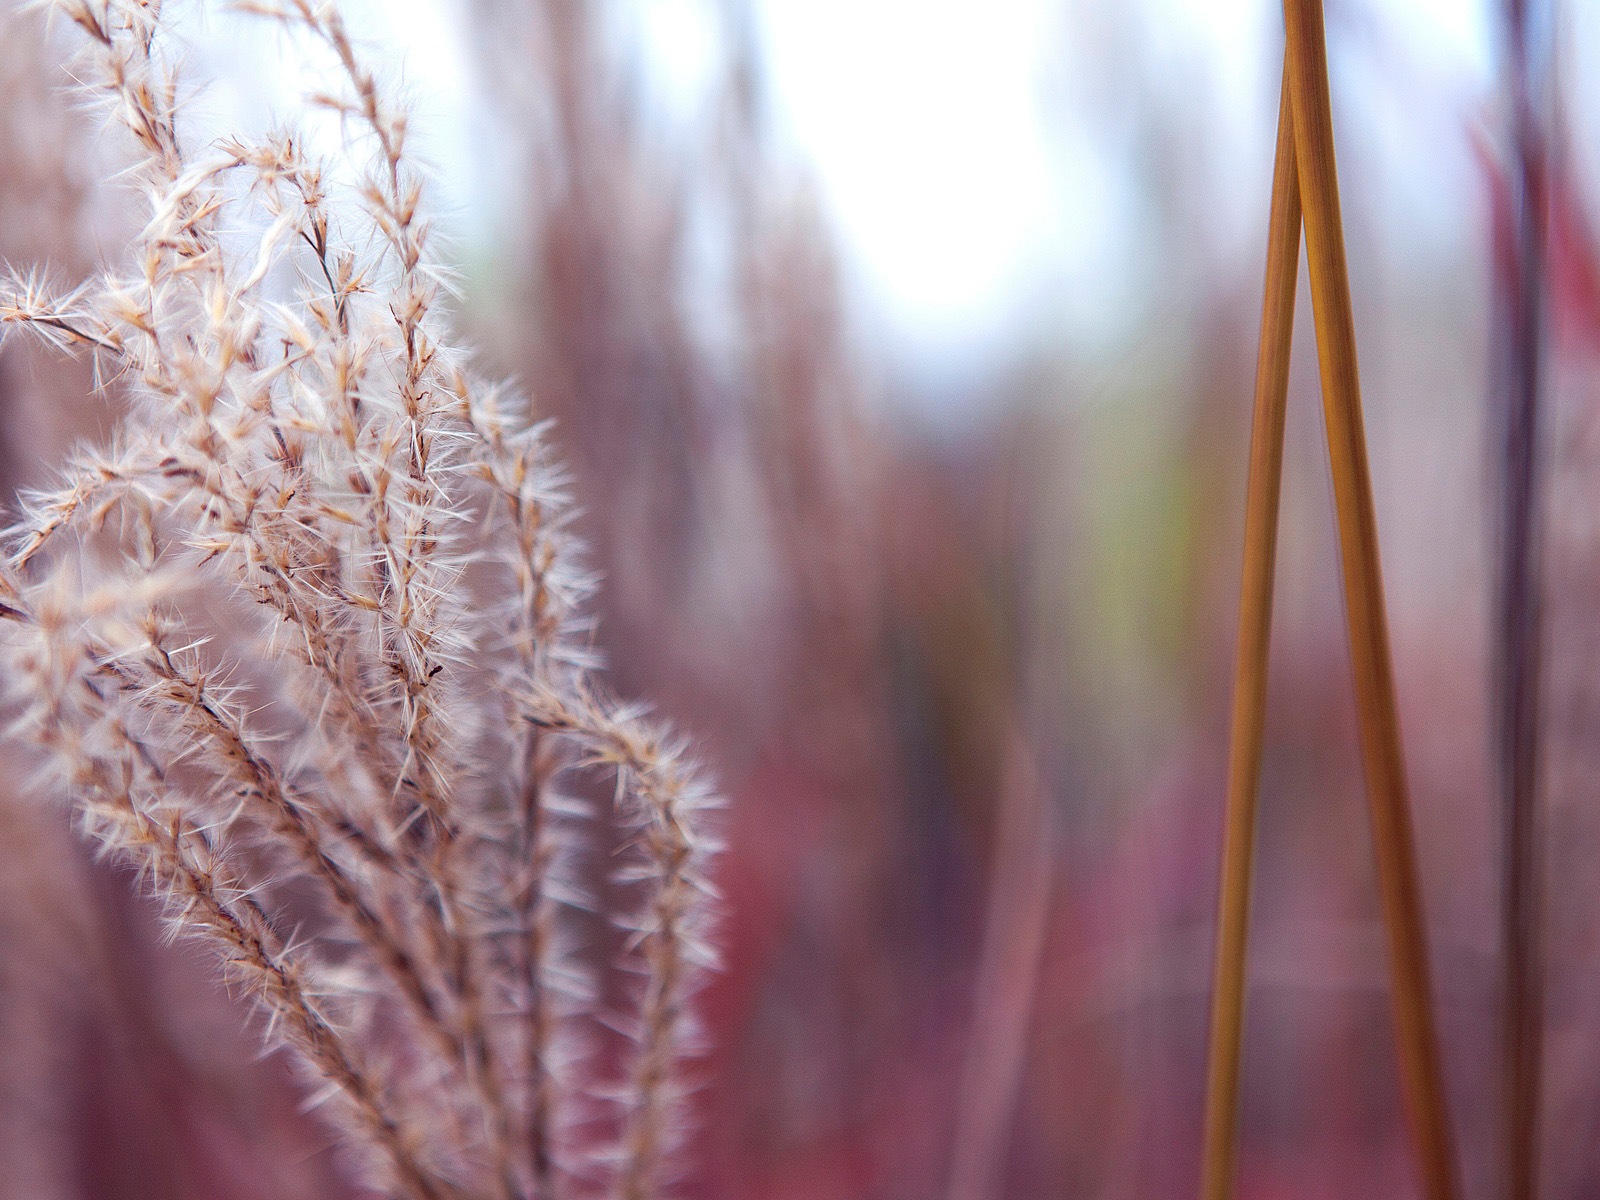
(307, 644)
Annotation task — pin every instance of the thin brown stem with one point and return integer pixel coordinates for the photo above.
(1250, 665)
(1378, 718)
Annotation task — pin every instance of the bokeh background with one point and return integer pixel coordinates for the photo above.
(902, 354)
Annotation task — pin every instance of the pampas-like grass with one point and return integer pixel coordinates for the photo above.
(306, 643)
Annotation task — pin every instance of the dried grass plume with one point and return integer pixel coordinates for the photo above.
(306, 642)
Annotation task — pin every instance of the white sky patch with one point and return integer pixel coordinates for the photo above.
(961, 190)
(1455, 35)
(925, 123)
(681, 40)
(958, 197)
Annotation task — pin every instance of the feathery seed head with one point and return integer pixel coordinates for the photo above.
(316, 619)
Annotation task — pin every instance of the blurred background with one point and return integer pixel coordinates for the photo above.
(902, 353)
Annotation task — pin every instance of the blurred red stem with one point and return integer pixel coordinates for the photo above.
(1013, 941)
(1518, 624)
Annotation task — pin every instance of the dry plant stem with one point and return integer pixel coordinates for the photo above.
(536, 950)
(219, 729)
(1519, 651)
(1013, 942)
(1378, 718)
(1250, 666)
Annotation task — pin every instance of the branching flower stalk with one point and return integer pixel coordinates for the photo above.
(306, 643)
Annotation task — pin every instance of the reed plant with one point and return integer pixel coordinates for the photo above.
(306, 642)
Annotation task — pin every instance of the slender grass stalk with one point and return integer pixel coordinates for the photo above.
(1250, 665)
(1421, 1071)
(1518, 650)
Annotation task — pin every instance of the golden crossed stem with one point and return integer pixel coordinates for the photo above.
(1305, 191)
